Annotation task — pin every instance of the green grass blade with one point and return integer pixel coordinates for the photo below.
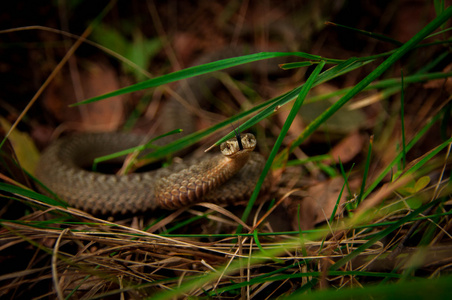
(273, 105)
(410, 145)
(371, 77)
(259, 280)
(381, 234)
(427, 288)
(143, 147)
(342, 68)
(386, 84)
(30, 194)
(425, 158)
(366, 172)
(293, 112)
(402, 119)
(376, 36)
(336, 206)
(269, 107)
(296, 65)
(202, 69)
(376, 237)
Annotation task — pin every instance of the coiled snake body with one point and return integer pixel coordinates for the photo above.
(216, 178)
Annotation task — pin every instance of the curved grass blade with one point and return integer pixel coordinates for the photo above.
(30, 194)
(410, 145)
(376, 36)
(202, 69)
(293, 112)
(148, 145)
(274, 104)
(368, 79)
(264, 110)
(426, 288)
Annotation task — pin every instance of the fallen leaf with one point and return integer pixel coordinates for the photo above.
(442, 82)
(24, 148)
(348, 148)
(96, 79)
(319, 202)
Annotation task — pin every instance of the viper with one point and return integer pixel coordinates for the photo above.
(221, 178)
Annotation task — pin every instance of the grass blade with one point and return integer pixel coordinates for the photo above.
(202, 69)
(293, 112)
(371, 77)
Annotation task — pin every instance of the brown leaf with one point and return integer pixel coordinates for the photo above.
(319, 202)
(348, 148)
(97, 79)
(442, 82)
(23, 146)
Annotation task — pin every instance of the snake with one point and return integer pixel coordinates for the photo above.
(226, 177)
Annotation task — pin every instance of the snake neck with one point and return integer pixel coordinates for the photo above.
(191, 185)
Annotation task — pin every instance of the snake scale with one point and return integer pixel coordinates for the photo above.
(214, 178)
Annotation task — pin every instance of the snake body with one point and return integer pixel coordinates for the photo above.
(215, 178)
(61, 169)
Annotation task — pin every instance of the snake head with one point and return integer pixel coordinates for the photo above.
(233, 147)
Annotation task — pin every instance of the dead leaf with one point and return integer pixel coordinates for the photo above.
(24, 148)
(348, 148)
(442, 82)
(96, 79)
(319, 203)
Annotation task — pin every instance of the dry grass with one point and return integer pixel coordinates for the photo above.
(380, 216)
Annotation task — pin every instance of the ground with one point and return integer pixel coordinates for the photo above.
(360, 196)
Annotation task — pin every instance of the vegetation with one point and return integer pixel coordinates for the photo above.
(377, 224)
